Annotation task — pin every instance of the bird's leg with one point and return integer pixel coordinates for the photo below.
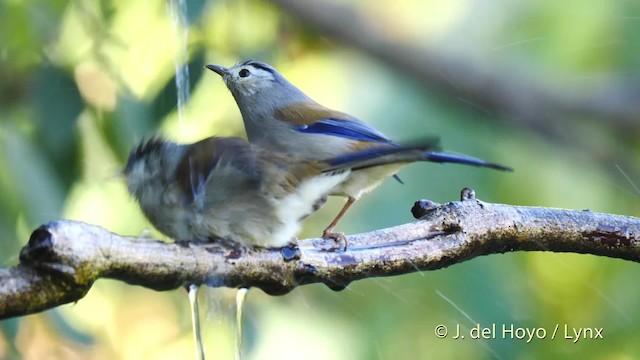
(329, 231)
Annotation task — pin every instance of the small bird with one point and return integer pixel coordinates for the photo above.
(280, 116)
(226, 189)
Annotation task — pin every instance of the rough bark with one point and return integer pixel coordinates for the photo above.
(64, 258)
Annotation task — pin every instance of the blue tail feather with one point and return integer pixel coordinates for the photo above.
(462, 159)
(378, 156)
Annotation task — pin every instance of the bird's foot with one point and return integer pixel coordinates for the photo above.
(340, 240)
(290, 252)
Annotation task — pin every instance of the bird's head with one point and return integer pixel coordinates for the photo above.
(150, 163)
(144, 154)
(248, 77)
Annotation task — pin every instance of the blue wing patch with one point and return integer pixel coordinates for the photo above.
(349, 129)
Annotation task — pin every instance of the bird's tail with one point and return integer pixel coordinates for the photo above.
(379, 156)
(441, 157)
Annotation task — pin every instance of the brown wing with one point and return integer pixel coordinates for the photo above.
(307, 113)
(283, 173)
(215, 170)
(230, 162)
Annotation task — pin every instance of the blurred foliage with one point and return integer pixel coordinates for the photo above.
(82, 81)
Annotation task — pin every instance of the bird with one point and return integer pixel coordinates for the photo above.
(280, 116)
(227, 190)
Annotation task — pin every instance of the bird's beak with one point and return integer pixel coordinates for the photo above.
(220, 70)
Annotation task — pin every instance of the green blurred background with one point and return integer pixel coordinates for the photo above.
(82, 81)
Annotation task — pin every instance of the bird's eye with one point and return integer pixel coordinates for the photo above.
(244, 73)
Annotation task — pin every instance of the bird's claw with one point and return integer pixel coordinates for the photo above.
(340, 241)
(290, 252)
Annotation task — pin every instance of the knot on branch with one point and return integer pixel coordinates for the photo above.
(39, 247)
(62, 259)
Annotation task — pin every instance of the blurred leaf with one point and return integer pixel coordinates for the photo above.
(38, 186)
(131, 122)
(106, 10)
(13, 88)
(630, 31)
(9, 328)
(23, 49)
(66, 329)
(57, 104)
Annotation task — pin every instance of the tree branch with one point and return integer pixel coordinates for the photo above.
(64, 258)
